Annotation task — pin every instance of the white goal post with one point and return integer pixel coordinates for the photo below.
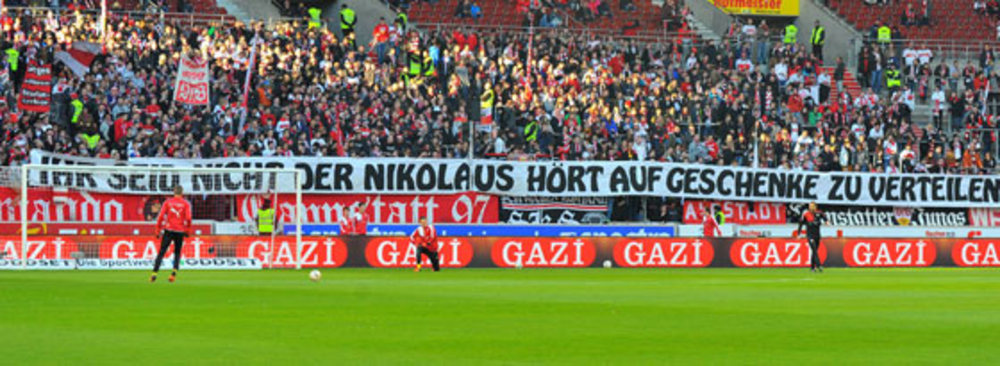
(110, 194)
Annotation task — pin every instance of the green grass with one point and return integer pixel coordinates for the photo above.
(493, 316)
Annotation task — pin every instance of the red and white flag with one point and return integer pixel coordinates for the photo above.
(79, 57)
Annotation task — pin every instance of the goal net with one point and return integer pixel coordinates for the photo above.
(104, 217)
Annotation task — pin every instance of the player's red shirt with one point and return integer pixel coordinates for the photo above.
(360, 223)
(425, 237)
(175, 215)
(710, 227)
(346, 226)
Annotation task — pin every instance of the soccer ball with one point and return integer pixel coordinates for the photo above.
(519, 265)
(607, 263)
(315, 275)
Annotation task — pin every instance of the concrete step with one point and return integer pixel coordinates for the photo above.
(246, 10)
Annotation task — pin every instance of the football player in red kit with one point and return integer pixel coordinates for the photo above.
(173, 224)
(346, 223)
(425, 238)
(709, 227)
(360, 220)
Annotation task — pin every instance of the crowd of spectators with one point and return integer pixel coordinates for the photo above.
(558, 95)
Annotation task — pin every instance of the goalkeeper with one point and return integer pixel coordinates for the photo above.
(173, 224)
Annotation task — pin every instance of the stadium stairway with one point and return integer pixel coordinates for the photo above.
(250, 9)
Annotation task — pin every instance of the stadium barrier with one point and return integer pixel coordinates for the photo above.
(248, 252)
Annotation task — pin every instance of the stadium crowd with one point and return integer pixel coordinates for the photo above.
(555, 94)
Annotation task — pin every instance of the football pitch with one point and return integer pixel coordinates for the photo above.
(504, 316)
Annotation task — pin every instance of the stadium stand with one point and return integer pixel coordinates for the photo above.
(557, 94)
(953, 19)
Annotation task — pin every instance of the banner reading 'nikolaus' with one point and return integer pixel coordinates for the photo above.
(530, 179)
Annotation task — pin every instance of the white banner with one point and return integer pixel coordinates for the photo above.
(562, 179)
(192, 85)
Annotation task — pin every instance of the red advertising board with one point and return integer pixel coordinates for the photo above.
(39, 247)
(774, 252)
(540, 252)
(464, 208)
(395, 252)
(889, 253)
(663, 252)
(317, 252)
(763, 213)
(976, 253)
(543, 252)
(146, 247)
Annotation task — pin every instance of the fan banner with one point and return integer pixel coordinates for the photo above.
(36, 90)
(887, 216)
(459, 208)
(553, 210)
(741, 213)
(532, 179)
(192, 82)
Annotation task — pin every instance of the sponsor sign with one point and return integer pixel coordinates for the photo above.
(281, 252)
(563, 179)
(133, 264)
(886, 216)
(186, 263)
(46, 247)
(678, 252)
(36, 90)
(147, 247)
(976, 253)
(889, 253)
(773, 253)
(543, 252)
(788, 8)
(546, 210)
(191, 86)
(466, 208)
(242, 252)
(390, 252)
(584, 231)
(984, 216)
(741, 213)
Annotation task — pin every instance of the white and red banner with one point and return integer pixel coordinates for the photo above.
(36, 90)
(742, 213)
(192, 86)
(53, 205)
(79, 57)
(460, 208)
(984, 216)
(331, 175)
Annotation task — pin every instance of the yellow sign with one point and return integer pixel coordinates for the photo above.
(788, 8)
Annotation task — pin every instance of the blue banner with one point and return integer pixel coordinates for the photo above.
(582, 231)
